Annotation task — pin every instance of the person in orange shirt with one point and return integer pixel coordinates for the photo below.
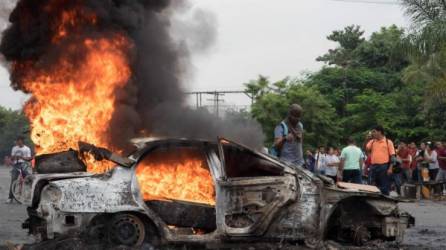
(382, 154)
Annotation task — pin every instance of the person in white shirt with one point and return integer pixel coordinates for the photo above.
(430, 156)
(331, 164)
(20, 156)
(320, 161)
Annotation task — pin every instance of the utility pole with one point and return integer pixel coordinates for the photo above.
(217, 97)
(217, 100)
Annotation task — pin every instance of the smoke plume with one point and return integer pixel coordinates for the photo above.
(163, 34)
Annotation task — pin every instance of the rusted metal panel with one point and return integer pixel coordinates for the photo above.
(249, 205)
(299, 219)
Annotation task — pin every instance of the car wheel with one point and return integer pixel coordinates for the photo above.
(127, 229)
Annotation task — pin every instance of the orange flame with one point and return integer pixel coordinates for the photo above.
(76, 102)
(73, 99)
(183, 176)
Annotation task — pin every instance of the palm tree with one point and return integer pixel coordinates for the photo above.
(426, 45)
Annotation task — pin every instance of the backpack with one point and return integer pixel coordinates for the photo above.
(275, 151)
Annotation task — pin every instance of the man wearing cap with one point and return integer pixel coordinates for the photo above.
(288, 137)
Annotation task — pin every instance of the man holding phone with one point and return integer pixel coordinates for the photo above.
(288, 137)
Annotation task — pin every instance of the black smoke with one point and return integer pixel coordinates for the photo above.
(153, 102)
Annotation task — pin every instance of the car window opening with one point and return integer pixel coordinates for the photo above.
(176, 183)
(240, 162)
(176, 173)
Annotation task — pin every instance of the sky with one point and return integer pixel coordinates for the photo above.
(272, 38)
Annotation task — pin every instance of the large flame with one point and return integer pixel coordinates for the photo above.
(73, 99)
(73, 95)
(180, 176)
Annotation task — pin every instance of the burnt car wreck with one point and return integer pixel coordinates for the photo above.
(255, 197)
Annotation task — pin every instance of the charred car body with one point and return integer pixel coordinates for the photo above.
(257, 198)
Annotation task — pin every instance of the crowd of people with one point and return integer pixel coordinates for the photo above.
(377, 162)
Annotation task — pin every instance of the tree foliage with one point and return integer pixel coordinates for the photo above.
(426, 44)
(364, 82)
(12, 124)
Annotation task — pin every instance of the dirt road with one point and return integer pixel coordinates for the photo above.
(429, 232)
(11, 215)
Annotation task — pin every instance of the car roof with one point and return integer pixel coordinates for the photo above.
(141, 143)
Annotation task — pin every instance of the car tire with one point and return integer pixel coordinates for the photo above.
(127, 229)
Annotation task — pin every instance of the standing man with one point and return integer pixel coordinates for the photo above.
(404, 156)
(20, 155)
(331, 164)
(352, 160)
(288, 137)
(382, 154)
(310, 161)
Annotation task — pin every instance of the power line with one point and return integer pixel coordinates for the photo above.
(217, 97)
(368, 2)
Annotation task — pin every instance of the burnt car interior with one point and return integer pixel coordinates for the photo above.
(179, 210)
(240, 162)
(186, 212)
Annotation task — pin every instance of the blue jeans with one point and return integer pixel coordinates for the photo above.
(380, 178)
(396, 180)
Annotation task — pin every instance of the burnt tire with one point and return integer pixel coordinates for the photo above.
(127, 229)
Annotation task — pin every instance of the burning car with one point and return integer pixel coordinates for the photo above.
(192, 191)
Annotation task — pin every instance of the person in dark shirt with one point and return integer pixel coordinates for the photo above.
(310, 161)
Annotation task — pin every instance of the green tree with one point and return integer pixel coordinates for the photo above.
(370, 90)
(358, 64)
(381, 51)
(12, 124)
(427, 46)
(349, 40)
(273, 99)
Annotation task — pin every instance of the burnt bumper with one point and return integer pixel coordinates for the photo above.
(394, 227)
(35, 225)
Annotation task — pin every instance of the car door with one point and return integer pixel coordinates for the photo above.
(251, 191)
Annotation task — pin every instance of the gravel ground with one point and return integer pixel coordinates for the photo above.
(11, 215)
(429, 232)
